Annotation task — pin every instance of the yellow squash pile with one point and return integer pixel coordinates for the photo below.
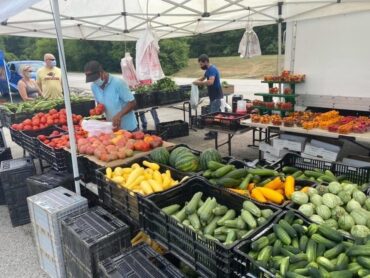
(145, 179)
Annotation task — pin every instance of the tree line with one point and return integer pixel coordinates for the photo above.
(174, 53)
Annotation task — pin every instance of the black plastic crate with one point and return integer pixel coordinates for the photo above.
(121, 200)
(16, 196)
(139, 261)
(144, 100)
(209, 258)
(223, 122)
(31, 143)
(13, 173)
(357, 175)
(2, 139)
(173, 129)
(57, 158)
(15, 118)
(205, 109)
(19, 215)
(164, 97)
(5, 154)
(91, 237)
(49, 180)
(16, 136)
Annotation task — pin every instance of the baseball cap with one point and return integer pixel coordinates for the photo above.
(92, 71)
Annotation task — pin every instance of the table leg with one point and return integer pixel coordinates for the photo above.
(229, 143)
(216, 141)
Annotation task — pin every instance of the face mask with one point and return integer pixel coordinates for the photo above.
(27, 74)
(99, 82)
(53, 63)
(204, 67)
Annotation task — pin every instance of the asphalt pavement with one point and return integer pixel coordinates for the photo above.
(18, 255)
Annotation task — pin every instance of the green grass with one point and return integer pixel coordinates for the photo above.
(234, 67)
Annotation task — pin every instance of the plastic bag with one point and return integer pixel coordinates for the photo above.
(225, 107)
(95, 128)
(249, 45)
(194, 96)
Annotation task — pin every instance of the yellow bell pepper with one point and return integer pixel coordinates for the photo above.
(153, 166)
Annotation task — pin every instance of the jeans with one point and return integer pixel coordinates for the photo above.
(215, 106)
(144, 123)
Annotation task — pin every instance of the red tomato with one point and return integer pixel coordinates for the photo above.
(36, 121)
(15, 126)
(53, 111)
(27, 122)
(56, 121)
(43, 119)
(41, 137)
(47, 141)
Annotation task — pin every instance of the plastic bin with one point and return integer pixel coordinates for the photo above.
(139, 261)
(49, 180)
(16, 136)
(47, 209)
(173, 129)
(209, 258)
(31, 143)
(224, 121)
(57, 158)
(91, 237)
(121, 200)
(83, 108)
(357, 175)
(144, 100)
(15, 118)
(2, 139)
(19, 215)
(5, 154)
(205, 109)
(164, 97)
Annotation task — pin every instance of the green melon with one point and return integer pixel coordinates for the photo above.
(209, 155)
(160, 155)
(187, 163)
(175, 153)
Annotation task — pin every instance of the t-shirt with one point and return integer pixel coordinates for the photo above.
(215, 90)
(50, 82)
(115, 96)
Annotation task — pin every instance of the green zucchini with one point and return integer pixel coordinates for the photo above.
(171, 209)
(260, 243)
(230, 238)
(180, 215)
(237, 174)
(210, 228)
(213, 165)
(220, 172)
(192, 206)
(207, 173)
(263, 172)
(230, 214)
(206, 213)
(220, 210)
(194, 221)
(289, 170)
(246, 181)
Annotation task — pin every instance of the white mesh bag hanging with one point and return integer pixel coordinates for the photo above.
(249, 45)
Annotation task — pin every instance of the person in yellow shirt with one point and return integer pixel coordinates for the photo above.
(49, 78)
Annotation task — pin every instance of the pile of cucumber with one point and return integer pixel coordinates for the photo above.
(292, 248)
(217, 222)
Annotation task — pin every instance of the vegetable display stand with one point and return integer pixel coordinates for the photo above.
(173, 129)
(89, 238)
(47, 210)
(144, 100)
(31, 143)
(138, 261)
(357, 175)
(166, 97)
(209, 258)
(223, 121)
(119, 199)
(269, 264)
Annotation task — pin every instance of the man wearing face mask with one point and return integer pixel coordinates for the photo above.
(114, 94)
(211, 79)
(49, 78)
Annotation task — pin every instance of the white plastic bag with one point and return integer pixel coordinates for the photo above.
(95, 128)
(225, 106)
(194, 96)
(249, 45)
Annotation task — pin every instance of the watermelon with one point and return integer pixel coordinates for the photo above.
(160, 155)
(209, 155)
(176, 152)
(187, 162)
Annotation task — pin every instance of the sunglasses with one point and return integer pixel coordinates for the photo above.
(51, 59)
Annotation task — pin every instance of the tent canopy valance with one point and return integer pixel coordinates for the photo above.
(117, 20)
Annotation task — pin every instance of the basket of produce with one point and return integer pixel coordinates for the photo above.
(260, 184)
(165, 91)
(292, 246)
(223, 120)
(201, 224)
(52, 151)
(322, 171)
(118, 188)
(31, 139)
(173, 129)
(16, 136)
(342, 206)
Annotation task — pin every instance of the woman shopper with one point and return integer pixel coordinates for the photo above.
(27, 87)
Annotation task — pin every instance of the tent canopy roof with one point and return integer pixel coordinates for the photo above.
(117, 20)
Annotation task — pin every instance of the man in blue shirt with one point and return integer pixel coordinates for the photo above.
(211, 79)
(114, 94)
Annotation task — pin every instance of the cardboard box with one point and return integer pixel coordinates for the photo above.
(296, 146)
(278, 152)
(311, 151)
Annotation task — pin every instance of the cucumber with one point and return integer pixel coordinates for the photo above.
(301, 271)
(252, 208)
(314, 272)
(284, 266)
(341, 274)
(342, 262)
(194, 221)
(299, 229)
(311, 250)
(297, 258)
(232, 223)
(228, 182)
(320, 250)
(237, 174)
(246, 181)
(266, 213)
(303, 243)
(354, 267)
(324, 241)
(210, 228)
(290, 274)
(292, 249)
(295, 243)
(220, 172)
(363, 261)
(272, 238)
(330, 233)
(300, 264)
(289, 170)
(171, 209)
(282, 234)
(324, 262)
(359, 250)
(260, 243)
(221, 230)
(241, 225)
(213, 165)
(249, 219)
(207, 173)
(312, 229)
(230, 238)
(191, 207)
(241, 233)
(221, 237)
(264, 255)
(289, 216)
(297, 174)
(220, 210)
(263, 172)
(230, 214)
(206, 213)
(289, 229)
(277, 247)
(364, 273)
(334, 252)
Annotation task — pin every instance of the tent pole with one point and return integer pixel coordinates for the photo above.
(67, 100)
(7, 80)
(279, 48)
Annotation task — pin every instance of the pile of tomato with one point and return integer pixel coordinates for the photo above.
(43, 120)
(98, 110)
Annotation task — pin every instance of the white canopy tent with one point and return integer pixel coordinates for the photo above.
(118, 20)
